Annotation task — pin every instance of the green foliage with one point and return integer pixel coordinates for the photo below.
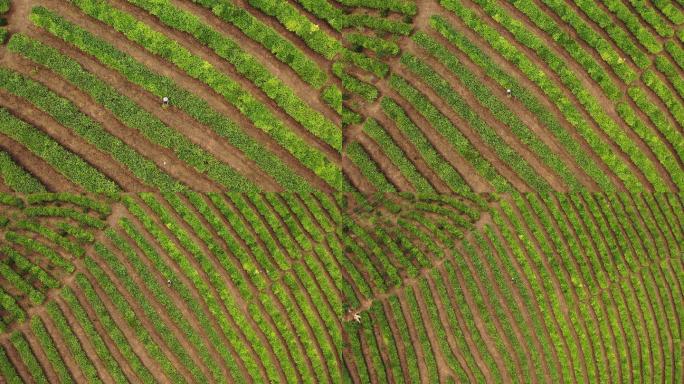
(16, 177)
(524, 96)
(442, 124)
(434, 159)
(18, 282)
(396, 155)
(4, 6)
(621, 38)
(358, 155)
(245, 64)
(652, 17)
(378, 45)
(13, 311)
(354, 85)
(488, 134)
(295, 22)
(50, 349)
(7, 370)
(158, 43)
(4, 33)
(630, 20)
(84, 202)
(33, 245)
(71, 341)
(63, 160)
(333, 97)
(406, 7)
(127, 112)
(281, 48)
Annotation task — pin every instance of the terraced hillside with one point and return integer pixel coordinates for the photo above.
(344, 191)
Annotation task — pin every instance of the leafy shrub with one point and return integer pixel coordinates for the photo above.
(63, 160)
(16, 177)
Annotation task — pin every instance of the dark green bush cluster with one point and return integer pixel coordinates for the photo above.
(186, 101)
(380, 46)
(258, 31)
(4, 8)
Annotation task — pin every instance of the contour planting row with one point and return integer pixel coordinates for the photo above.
(253, 110)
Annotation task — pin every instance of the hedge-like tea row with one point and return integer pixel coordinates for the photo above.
(246, 65)
(570, 80)
(88, 204)
(67, 114)
(24, 266)
(670, 71)
(182, 99)
(72, 342)
(315, 38)
(222, 84)
(49, 234)
(434, 159)
(442, 124)
(652, 17)
(396, 155)
(354, 85)
(497, 108)
(656, 116)
(16, 177)
(378, 24)
(7, 370)
(668, 98)
(660, 149)
(128, 112)
(203, 286)
(358, 155)
(154, 286)
(281, 48)
(63, 160)
(487, 133)
(572, 46)
(555, 94)
(621, 38)
(525, 97)
(93, 336)
(77, 215)
(18, 282)
(28, 357)
(632, 22)
(50, 349)
(30, 244)
(399, 6)
(670, 10)
(593, 39)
